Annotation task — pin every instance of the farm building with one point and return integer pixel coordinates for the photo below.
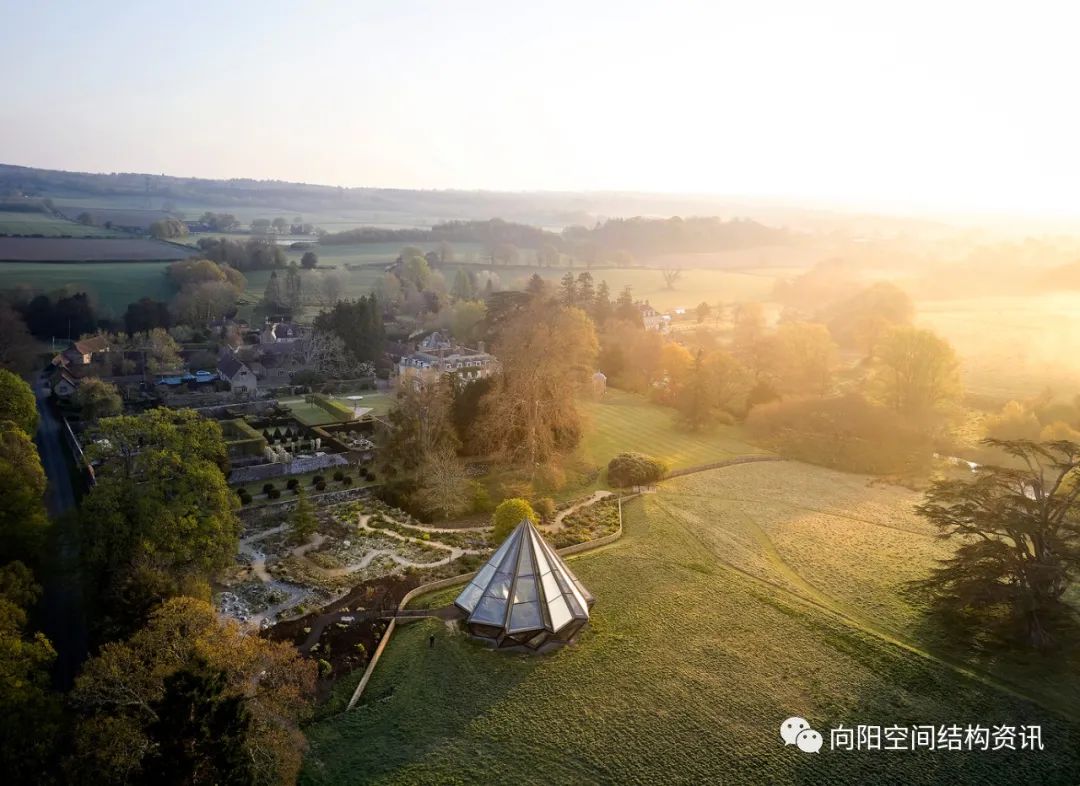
(81, 353)
(525, 595)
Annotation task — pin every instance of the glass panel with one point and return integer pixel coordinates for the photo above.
(484, 576)
(560, 614)
(525, 589)
(542, 565)
(524, 564)
(499, 586)
(551, 588)
(525, 616)
(490, 610)
(467, 599)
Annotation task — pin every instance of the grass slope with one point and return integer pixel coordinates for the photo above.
(684, 675)
(621, 422)
(20, 222)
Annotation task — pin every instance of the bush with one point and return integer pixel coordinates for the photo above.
(481, 500)
(545, 508)
(848, 433)
(245, 498)
(369, 476)
(325, 668)
(267, 488)
(346, 480)
(320, 486)
(292, 484)
(273, 493)
(635, 469)
(339, 475)
(509, 514)
(315, 481)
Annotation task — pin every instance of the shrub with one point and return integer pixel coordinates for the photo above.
(315, 481)
(267, 488)
(481, 500)
(848, 433)
(273, 493)
(635, 469)
(509, 514)
(320, 486)
(369, 476)
(292, 484)
(245, 498)
(545, 508)
(347, 480)
(339, 475)
(325, 668)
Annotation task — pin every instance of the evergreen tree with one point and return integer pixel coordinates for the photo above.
(569, 294)
(585, 293)
(302, 523)
(293, 287)
(273, 296)
(601, 309)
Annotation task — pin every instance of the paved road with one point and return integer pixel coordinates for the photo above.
(64, 619)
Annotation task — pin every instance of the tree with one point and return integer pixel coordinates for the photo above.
(145, 314)
(293, 288)
(86, 219)
(671, 275)
(168, 228)
(586, 294)
(918, 370)
(601, 309)
(359, 323)
(626, 309)
(17, 403)
(161, 350)
(302, 522)
(17, 347)
(443, 486)
(199, 731)
(160, 521)
(97, 399)
(309, 260)
(280, 224)
(862, 319)
(273, 295)
(696, 401)
(748, 331)
(421, 428)
(260, 226)
(509, 514)
(23, 523)
(802, 356)
(635, 469)
(234, 690)
(569, 295)
(331, 286)
(1019, 533)
(530, 415)
(463, 287)
(29, 710)
(703, 310)
(323, 352)
(466, 317)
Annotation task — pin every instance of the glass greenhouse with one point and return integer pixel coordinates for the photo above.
(525, 594)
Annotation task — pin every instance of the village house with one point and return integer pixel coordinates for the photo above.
(652, 319)
(81, 352)
(64, 384)
(280, 333)
(241, 379)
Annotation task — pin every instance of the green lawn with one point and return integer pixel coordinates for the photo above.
(691, 661)
(621, 422)
(312, 415)
(19, 222)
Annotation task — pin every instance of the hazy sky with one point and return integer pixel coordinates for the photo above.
(961, 105)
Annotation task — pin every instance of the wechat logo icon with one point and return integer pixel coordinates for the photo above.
(796, 731)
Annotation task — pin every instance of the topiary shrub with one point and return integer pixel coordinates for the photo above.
(292, 484)
(320, 486)
(273, 493)
(267, 488)
(325, 668)
(315, 481)
(347, 480)
(635, 469)
(339, 475)
(245, 498)
(509, 514)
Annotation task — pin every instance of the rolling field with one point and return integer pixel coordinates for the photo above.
(114, 284)
(22, 249)
(702, 641)
(1012, 347)
(19, 222)
(621, 422)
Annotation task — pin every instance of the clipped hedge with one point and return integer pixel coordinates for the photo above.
(635, 469)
